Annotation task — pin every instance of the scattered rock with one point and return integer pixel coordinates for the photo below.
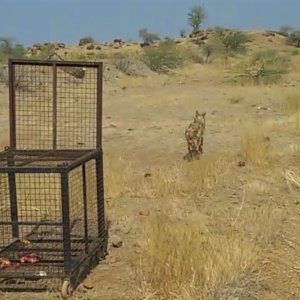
(118, 244)
(88, 284)
(61, 45)
(38, 46)
(90, 46)
(147, 175)
(263, 108)
(130, 129)
(98, 47)
(144, 213)
(84, 41)
(241, 163)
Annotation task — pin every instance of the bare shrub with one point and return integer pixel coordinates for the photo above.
(165, 56)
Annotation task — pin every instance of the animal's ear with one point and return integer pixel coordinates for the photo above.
(197, 113)
(203, 115)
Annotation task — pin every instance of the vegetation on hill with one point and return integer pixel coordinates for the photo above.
(8, 48)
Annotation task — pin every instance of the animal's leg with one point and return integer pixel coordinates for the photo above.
(189, 147)
(201, 145)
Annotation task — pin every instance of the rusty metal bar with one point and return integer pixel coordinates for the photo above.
(81, 160)
(85, 208)
(99, 105)
(54, 108)
(66, 221)
(57, 62)
(100, 197)
(13, 204)
(12, 104)
(32, 169)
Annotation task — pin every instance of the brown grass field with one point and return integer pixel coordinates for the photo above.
(208, 229)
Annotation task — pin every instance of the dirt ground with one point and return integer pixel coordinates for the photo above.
(144, 122)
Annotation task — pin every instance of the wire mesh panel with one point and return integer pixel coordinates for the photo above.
(55, 105)
(31, 222)
(50, 209)
(91, 184)
(51, 177)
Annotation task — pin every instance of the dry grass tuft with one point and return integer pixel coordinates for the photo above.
(291, 103)
(258, 187)
(255, 146)
(190, 178)
(117, 173)
(4, 141)
(263, 225)
(182, 260)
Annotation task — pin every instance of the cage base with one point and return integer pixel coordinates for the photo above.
(41, 277)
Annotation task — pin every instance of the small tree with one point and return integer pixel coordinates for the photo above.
(182, 33)
(9, 49)
(285, 30)
(294, 38)
(196, 17)
(231, 42)
(147, 36)
(209, 49)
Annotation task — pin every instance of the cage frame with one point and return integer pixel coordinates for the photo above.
(54, 63)
(78, 159)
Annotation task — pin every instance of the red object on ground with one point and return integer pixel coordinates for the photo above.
(4, 263)
(31, 258)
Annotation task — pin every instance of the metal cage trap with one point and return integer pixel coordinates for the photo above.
(52, 222)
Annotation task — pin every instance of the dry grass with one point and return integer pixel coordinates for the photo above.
(291, 103)
(190, 178)
(292, 179)
(255, 146)
(182, 260)
(262, 225)
(180, 179)
(258, 187)
(4, 141)
(117, 173)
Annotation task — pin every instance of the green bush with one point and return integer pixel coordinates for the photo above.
(264, 66)
(285, 30)
(182, 33)
(86, 40)
(230, 43)
(124, 61)
(9, 49)
(147, 36)
(293, 38)
(165, 56)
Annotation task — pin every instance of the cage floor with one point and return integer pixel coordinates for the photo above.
(51, 263)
